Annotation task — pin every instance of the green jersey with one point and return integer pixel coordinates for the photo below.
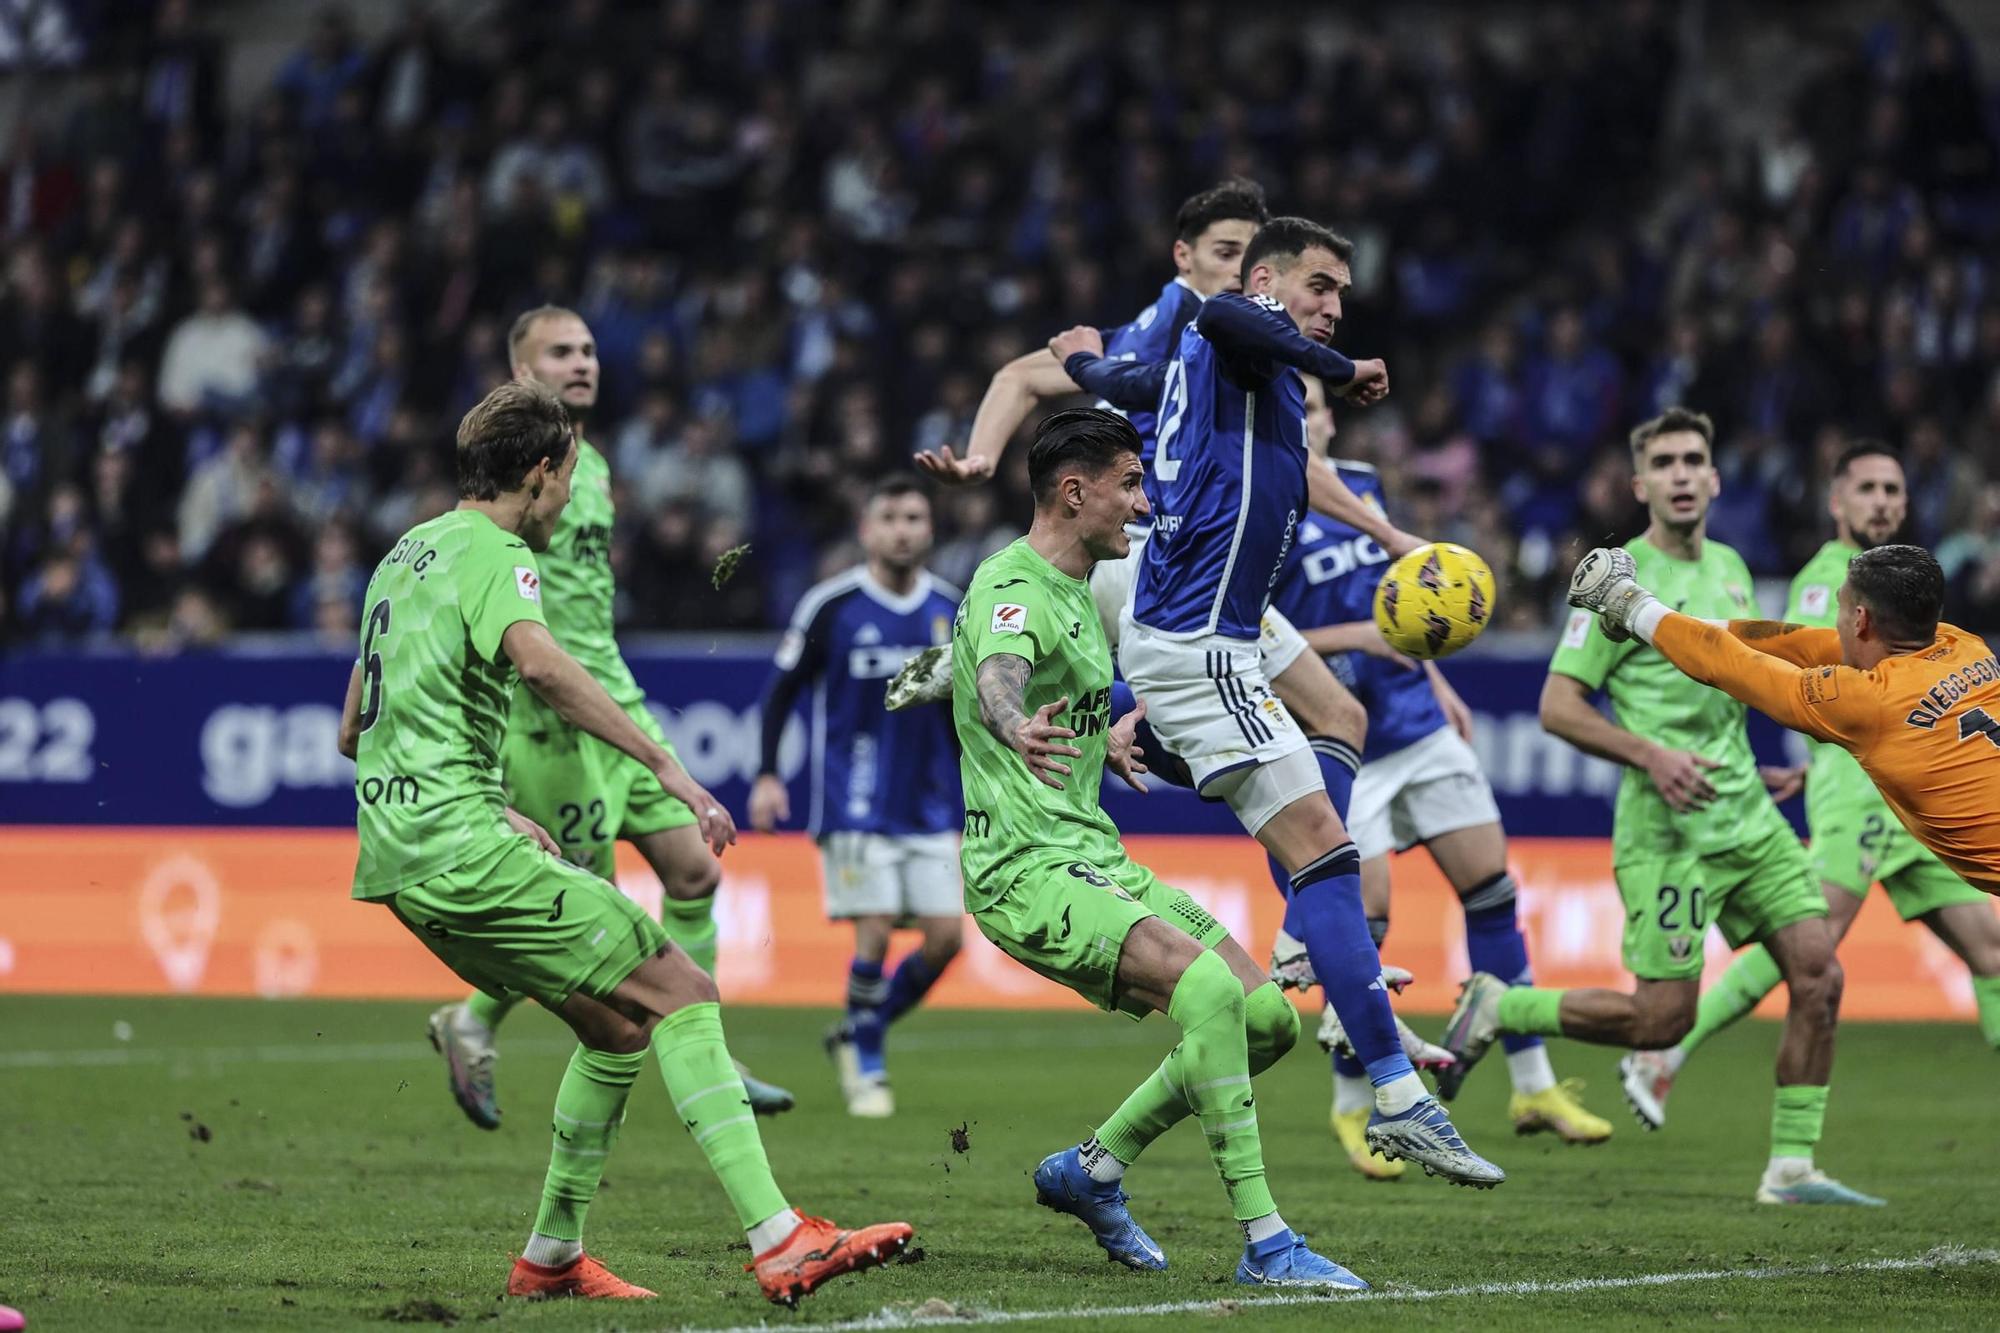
(576, 575)
(1835, 777)
(1651, 698)
(1019, 603)
(435, 690)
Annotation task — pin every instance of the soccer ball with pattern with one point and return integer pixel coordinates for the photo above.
(1434, 601)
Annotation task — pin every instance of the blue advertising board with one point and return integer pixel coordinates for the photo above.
(247, 738)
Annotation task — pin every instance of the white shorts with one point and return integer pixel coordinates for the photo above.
(1208, 701)
(1432, 787)
(874, 874)
(1111, 586)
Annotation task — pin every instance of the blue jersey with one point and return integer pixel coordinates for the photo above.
(1329, 578)
(1150, 340)
(872, 771)
(1229, 469)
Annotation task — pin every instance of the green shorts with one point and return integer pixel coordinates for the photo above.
(587, 794)
(1067, 919)
(1750, 892)
(1855, 846)
(517, 919)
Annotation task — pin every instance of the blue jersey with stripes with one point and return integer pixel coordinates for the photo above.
(1148, 340)
(1229, 473)
(1329, 578)
(871, 770)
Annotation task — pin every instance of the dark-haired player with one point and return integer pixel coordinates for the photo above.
(1048, 881)
(1696, 839)
(885, 800)
(1230, 477)
(586, 793)
(1857, 841)
(1213, 230)
(453, 623)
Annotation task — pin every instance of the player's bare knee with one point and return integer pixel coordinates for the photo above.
(693, 878)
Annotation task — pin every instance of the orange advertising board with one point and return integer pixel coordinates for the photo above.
(266, 912)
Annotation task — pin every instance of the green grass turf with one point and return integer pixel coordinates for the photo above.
(340, 1183)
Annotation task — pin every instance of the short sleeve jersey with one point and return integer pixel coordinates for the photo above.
(1651, 698)
(873, 771)
(435, 692)
(1019, 603)
(577, 579)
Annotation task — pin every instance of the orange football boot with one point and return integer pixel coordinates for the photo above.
(818, 1251)
(584, 1277)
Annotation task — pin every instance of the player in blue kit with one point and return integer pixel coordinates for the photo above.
(1230, 470)
(885, 797)
(1420, 783)
(1212, 230)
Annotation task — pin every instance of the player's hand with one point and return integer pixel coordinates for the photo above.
(1682, 778)
(1783, 783)
(718, 827)
(522, 824)
(770, 803)
(1039, 741)
(1369, 385)
(1069, 342)
(1122, 753)
(942, 465)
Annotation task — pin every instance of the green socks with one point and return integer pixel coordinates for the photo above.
(484, 1009)
(690, 923)
(1531, 1011)
(1271, 1028)
(1986, 992)
(1749, 979)
(590, 1105)
(709, 1099)
(1208, 1006)
(1797, 1114)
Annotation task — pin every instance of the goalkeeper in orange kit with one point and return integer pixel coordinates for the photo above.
(1916, 702)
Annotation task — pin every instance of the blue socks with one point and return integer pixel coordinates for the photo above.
(1494, 943)
(912, 981)
(867, 999)
(1325, 913)
(875, 1001)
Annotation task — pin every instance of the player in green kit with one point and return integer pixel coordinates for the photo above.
(454, 618)
(1047, 880)
(1856, 839)
(584, 792)
(1697, 840)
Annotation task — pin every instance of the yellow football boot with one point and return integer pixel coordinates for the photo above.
(1558, 1111)
(1351, 1129)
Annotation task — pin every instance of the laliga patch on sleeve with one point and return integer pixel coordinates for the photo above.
(1577, 632)
(1821, 686)
(1813, 600)
(528, 583)
(790, 649)
(1010, 618)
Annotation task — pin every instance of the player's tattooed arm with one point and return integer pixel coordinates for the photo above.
(1003, 692)
(1801, 645)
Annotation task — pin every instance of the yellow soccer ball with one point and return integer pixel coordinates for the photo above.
(1435, 600)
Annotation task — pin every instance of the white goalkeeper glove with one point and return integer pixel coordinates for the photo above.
(1606, 581)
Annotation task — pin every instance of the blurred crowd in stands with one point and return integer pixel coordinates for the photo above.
(235, 339)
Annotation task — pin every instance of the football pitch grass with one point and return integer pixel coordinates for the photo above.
(300, 1165)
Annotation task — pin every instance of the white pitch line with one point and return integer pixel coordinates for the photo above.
(1945, 1256)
